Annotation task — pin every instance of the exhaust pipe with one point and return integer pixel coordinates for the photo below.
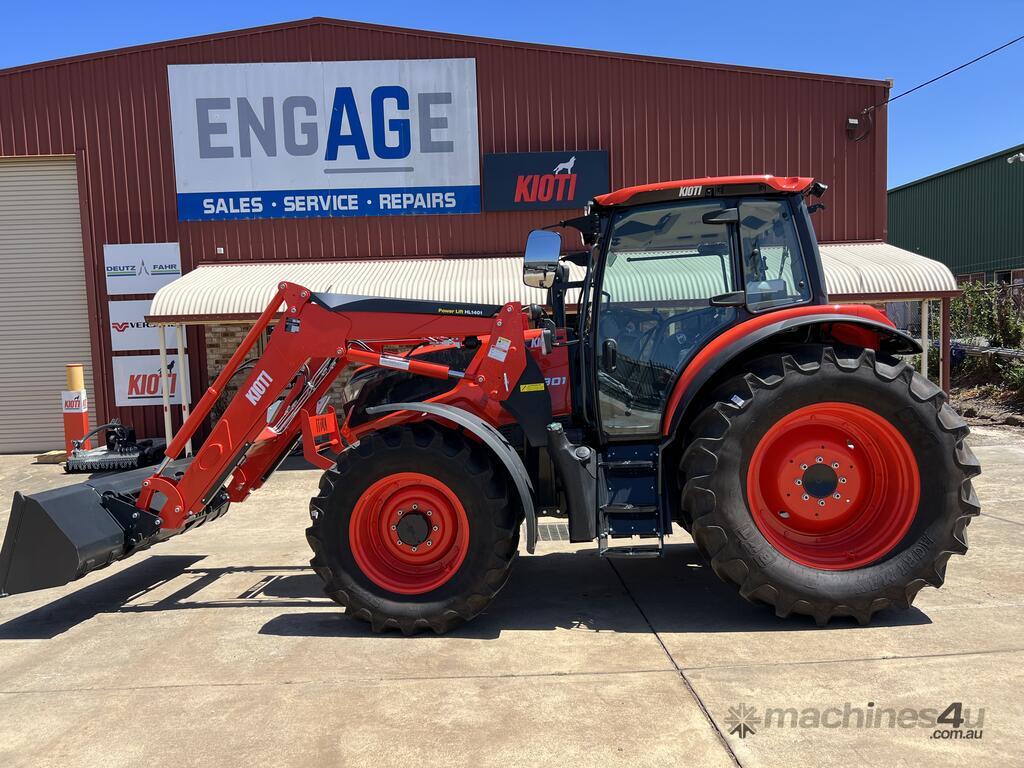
(58, 536)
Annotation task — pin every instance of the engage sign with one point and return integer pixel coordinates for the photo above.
(524, 181)
(343, 138)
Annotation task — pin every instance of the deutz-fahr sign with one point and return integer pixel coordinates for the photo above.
(343, 138)
(524, 181)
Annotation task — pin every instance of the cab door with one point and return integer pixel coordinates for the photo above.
(662, 264)
(673, 276)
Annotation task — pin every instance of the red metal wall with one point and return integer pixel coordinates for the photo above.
(659, 119)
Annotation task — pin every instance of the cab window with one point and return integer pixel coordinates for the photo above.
(773, 266)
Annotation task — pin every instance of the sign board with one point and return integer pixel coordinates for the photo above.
(140, 267)
(527, 181)
(314, 139)
(129, 330)
(137, 380)
(74, 401)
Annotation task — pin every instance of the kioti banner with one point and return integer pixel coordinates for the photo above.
(332, 138)
(524, 181)
(137, 380)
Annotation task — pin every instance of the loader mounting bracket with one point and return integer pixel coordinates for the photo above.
(139, 525)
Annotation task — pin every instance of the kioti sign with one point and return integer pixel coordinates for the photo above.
(137, 380)
(524, 181)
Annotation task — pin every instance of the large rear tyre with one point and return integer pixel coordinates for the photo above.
(415, 528)
(829, 482)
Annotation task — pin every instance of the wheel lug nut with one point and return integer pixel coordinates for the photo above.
(429, 542)
(819, 459)
(415, 507)
(430, 513)
(803, 466)
(842, 480)
(400, 513)
(414, 549)
(394, 527)
(435, 527)
(805, 497)
(821, 502)
(835, 496)
(399, 542)
(798, 481)
(835, 465)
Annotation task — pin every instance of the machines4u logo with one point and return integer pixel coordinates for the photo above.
(539, 180)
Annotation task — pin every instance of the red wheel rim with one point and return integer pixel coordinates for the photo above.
(429, 516)
(833, 486)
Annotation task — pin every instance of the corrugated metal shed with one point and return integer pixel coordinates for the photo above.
(658, 118)
(970, 218)
(240, 292)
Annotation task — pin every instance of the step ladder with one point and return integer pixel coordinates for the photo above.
(632, 510)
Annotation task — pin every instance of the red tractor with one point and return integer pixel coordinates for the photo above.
(705, 381)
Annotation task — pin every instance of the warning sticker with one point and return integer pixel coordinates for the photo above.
(538, 387)
(499, 349)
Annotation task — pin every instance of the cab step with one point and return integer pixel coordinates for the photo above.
(638, 551)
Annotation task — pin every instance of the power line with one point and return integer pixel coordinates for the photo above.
(944, 74)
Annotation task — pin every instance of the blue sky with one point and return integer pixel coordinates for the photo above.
(972, 113)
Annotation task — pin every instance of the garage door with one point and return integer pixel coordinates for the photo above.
(44, 316)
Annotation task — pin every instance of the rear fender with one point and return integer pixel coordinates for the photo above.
(853, 325)
(490, 437)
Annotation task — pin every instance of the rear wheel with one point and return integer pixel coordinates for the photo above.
(414, 528)
(829, 483)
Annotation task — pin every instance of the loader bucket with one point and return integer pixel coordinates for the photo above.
(57, 536)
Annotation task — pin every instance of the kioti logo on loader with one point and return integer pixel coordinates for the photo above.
(531, 180)
(259, 387)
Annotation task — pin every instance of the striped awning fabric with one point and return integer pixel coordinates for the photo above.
(239, 292)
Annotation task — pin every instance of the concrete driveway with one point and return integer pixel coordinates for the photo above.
(218, 648)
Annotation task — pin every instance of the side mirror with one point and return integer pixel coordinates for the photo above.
(540, 262)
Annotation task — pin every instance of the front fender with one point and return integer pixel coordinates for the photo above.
(854, 319)
(490, 437)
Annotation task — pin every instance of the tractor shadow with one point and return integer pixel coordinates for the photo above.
(579, 590)
(571, 590)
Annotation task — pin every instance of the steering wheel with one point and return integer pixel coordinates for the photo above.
(691, 322)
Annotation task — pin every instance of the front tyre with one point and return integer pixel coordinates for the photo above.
(415, 528)
(829, 482)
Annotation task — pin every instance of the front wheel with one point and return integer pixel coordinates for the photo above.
(829, 483)
(415, 528)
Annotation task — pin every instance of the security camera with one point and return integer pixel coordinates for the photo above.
(1019, 157)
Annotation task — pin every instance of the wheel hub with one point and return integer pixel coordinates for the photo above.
(413, 528)
(820, 480)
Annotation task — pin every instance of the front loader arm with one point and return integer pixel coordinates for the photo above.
(315, 343)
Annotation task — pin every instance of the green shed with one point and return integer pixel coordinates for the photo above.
(971, 217)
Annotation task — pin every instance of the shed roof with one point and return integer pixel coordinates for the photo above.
(239, 292)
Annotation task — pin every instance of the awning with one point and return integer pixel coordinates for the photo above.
(239, 292)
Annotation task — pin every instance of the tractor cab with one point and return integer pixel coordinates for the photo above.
(671, 267)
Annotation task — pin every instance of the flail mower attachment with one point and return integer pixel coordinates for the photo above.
(57, 536)
(121, 451)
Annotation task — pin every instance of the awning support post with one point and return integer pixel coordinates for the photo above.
(945, 345)
(165, 390)
(183, 373)
(924, 338)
